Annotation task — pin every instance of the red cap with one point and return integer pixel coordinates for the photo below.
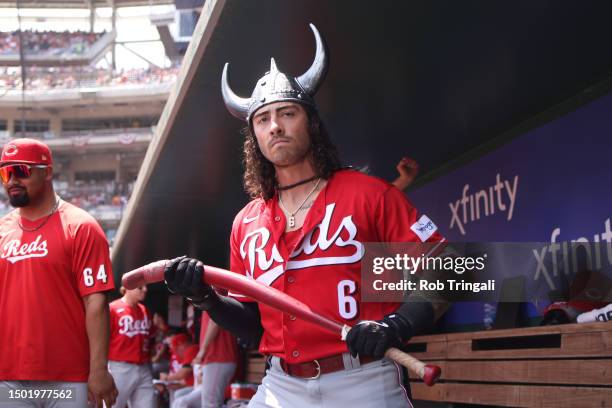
(30, 151)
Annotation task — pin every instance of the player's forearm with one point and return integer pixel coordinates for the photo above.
(98, 330)
(181, 374)
(212, 331)
(241, 319)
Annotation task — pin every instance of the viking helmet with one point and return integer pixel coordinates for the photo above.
(276, 86)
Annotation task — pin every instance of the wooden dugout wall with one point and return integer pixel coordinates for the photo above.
(553, 366)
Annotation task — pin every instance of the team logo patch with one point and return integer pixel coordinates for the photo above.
(424, 228)
(10, 150)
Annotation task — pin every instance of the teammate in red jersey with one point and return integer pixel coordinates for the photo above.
(180, 379)
(130, 349)
(54, 270)
(218, 356)
(304, 234)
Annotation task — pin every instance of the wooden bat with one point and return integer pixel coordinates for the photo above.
(154, 272)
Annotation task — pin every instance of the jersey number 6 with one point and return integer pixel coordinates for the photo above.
(347, 304)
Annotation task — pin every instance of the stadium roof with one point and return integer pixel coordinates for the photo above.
(80, 3)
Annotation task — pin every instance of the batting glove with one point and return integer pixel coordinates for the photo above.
(373, 338)
(184, 276)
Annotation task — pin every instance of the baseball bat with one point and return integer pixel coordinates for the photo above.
(154, 272)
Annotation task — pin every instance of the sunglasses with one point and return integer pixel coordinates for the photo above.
(20, 171)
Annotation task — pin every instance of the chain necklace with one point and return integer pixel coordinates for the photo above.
(291, 218)
(53, 210)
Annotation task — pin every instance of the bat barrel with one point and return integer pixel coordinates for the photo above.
(151, 273)
(154, 272)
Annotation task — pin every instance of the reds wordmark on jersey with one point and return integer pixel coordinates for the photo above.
(131, 333)
(320, 263)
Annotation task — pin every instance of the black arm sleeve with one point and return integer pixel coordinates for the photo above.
(241, 319)
(413, 318)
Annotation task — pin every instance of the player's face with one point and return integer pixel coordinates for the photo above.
(25, 186)
(141, 293)
(281, 129)
(138, 294)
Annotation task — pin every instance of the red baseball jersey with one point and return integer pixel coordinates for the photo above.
(44, 274)
(188, 355)
(131, 333)
(222, 349)
(321, 265)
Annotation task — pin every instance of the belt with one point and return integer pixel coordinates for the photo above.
(313, 369)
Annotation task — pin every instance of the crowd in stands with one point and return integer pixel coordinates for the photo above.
(106, 201)
(84, 77)
(49, 43)
(89, 195)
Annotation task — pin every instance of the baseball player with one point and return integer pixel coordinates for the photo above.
(218, 355)
(54, 270)
(304, 233)
(130, 349)
(160, 350)
(180, 378)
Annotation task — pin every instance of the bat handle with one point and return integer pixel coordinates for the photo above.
(427, 372)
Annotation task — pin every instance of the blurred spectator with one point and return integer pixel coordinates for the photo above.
(88, 195)
(51, 43)
(84, 77)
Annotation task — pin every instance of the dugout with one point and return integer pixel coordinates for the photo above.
(463, 87)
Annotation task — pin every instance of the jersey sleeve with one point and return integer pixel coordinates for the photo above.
(398, 221)
(236, 263)
(91, 263)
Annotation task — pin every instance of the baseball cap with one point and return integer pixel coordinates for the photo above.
(30, 151)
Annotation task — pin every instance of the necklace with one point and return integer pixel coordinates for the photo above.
(291, 218)
(53, 210)
(299, 183)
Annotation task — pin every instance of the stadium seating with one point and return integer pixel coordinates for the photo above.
(47, 43)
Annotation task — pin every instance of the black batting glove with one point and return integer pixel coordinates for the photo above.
(374, 337)
(184, 276)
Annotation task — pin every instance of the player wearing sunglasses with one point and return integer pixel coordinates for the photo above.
(54, 270)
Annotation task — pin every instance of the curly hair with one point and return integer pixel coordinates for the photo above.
(259, 174)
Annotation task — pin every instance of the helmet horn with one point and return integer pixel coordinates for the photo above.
(239, 107)
(312, 79)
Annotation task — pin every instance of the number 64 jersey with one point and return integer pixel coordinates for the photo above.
(44, 274)
(320, 264)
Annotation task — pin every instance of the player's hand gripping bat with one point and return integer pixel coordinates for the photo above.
(154, 272)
